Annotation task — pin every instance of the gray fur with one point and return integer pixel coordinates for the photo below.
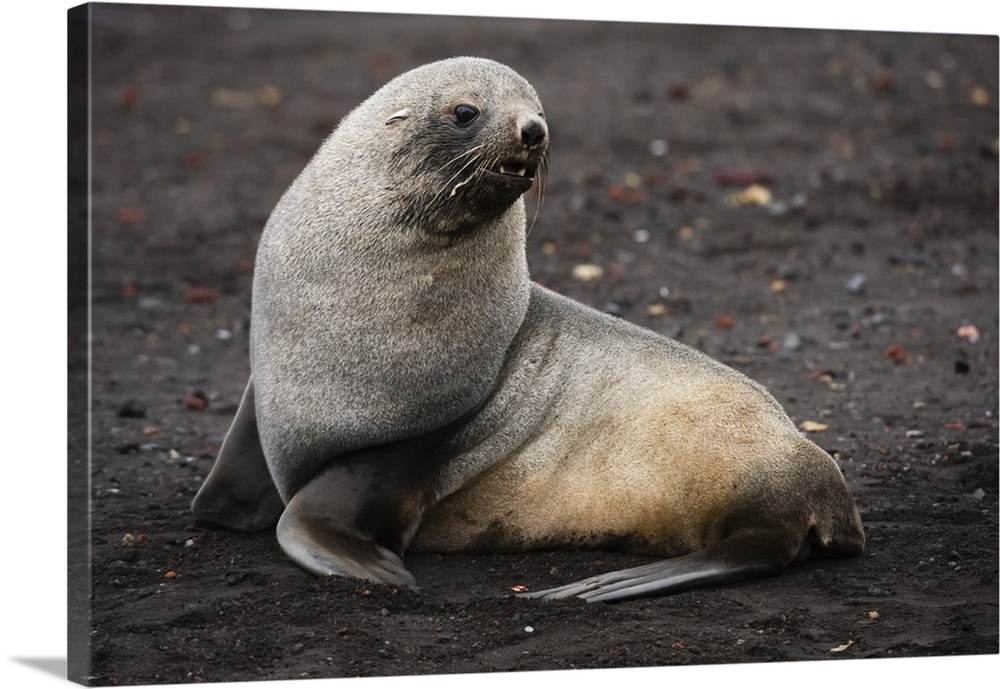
(362, 331)
(411, 387)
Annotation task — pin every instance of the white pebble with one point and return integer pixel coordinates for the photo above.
(587, 272)
(857, 283)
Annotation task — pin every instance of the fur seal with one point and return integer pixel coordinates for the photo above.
(412, 389)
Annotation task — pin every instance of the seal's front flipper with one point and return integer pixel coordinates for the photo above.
(239, 492)
(356, 517)
(744, 554)
(322, 549)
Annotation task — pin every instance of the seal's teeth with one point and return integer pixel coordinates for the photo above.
(506, 169)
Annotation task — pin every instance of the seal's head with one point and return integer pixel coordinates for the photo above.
(457, 142)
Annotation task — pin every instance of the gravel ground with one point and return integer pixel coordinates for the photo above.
(815, 208)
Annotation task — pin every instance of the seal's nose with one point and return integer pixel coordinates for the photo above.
(533, 133)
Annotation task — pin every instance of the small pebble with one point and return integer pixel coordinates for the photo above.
(778, 208)
(787, 272)
(640, 236)
(856, 285)
(133, 409)
(969, 333)
(791, 342)
(201, 295)
(658, 147)
(613, 309)
(587, 272)
(197, 401)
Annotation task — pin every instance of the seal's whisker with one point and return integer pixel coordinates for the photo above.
(478, 172)
(460, 170)
(539, 191)
(461, 155)
(447, 184)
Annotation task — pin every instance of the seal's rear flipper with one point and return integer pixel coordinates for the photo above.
(239, 492)
(744, 554)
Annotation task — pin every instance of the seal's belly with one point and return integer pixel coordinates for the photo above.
(658, 477)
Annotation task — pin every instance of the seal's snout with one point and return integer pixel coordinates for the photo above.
(533, 134)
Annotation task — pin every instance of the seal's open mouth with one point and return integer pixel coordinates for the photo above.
(516, 169)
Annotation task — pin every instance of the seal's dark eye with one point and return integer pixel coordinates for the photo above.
(465, 114)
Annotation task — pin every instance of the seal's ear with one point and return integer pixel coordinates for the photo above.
(395, 117)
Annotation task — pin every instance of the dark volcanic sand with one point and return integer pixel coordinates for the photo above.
(880, 152)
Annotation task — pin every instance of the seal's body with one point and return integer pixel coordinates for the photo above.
(411, 388)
